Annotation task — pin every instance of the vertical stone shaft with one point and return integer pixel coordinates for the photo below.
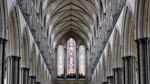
(24, 75)
(143, 60)
(118, 76)
(13, 70)
(129, 69)
(110, 79)
(2, 56)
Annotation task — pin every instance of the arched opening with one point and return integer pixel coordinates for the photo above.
(60, 61)
(81, 61)
(71, 58)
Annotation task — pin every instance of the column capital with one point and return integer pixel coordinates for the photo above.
(25, 68)
(127, 57)
(117, 69)
(14, 57)
(2, 40)
(110, 76)
(33, 77)
(13, 65)
(142, 40)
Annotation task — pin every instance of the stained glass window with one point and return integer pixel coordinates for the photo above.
(71, 56)
(82, 60)
(60, 60)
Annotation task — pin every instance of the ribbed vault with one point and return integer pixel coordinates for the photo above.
(64, 16)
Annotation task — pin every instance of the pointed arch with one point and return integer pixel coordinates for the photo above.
(60, 61)
(71, 56)
(82, 60)
(13, 34)
(128, 34)
(117, 56)
(142, 16)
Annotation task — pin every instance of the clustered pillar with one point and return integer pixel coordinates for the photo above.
(127, 74)
(118, 76)
(143, 60)
(2, 56)
(77, 65)
(129, 69)
(24, 73)
(13, 75)
(65, 62)
(110, 80)
(13, 70)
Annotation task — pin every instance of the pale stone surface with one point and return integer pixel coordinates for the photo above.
(107, 28)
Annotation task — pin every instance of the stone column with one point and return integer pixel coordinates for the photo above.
(24, 76)
(143, 59)
(118, 76)
(65, 63)
(13, 70)
(2, 56)
(55, 64)
(77, 63)
(32, 80)
(148, 63)
(52, 68)
(110, 80)
(129, 70)
(87, 64)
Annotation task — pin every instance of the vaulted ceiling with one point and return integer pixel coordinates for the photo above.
(64, 16)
